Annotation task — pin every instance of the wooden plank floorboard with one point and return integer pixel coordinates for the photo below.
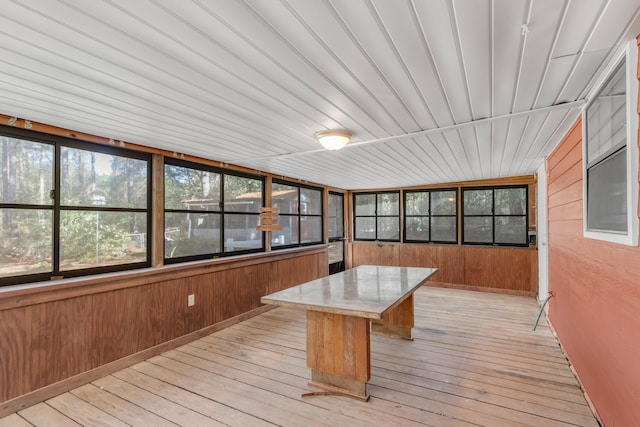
(474, 361)
(43, 415)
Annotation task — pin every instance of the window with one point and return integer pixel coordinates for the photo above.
(430, 216)
(495, 216)
(209, 212)
(69, 208)
(610, 161)
(300, 214)
(377, 216)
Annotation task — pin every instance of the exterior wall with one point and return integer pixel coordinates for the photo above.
(596, 306)
(57, 336)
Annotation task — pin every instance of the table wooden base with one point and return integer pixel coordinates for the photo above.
(338, 352)
(397, 322)
(337, 385)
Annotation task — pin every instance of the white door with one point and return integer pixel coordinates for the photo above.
(543, 233)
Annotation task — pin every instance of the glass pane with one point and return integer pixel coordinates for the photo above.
(311, 202)
(443, 203)
(189, 234)
(478, 230)
(417, 228)
(606, 117)
(285, 197)
(388, 204)
(242, 194)
(240, 233)
(511, 230)
(365, 228)
(96, 239)
(25, 241)
(607, 194)
(443, 229)
(191, 189)
(417, 203)
(27, 172)
(88, 178)
(311, 229)
(336, 216)
(365, 204)
(336, 252)
(289, 233)
(511, 201)
(478, 202)
(388, 228)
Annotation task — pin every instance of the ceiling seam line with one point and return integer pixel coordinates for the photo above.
(523, 46)
(432, 131)
(556, 37)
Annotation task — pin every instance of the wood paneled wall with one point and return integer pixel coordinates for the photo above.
(495, 268)
(595, 310)
(51, 333)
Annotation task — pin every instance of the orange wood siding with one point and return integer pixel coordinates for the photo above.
(48, 336)
(596, 308)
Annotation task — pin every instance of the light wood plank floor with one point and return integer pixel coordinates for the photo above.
(475, 361)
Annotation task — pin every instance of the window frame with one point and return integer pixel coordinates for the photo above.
(429, 215)
(493, 215)
(299, 215)
(376, 216)
(221, 210)
(57, 142)
(629, 55)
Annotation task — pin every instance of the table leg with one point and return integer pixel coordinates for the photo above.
(397, 322)
(338, 353)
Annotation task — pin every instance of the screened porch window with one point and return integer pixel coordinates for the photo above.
(377, 216)
(300, 214)
(209, 212)
(69, 208)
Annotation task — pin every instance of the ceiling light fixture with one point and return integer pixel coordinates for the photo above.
(334, 139)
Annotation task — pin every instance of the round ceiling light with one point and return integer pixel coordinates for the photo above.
(334, 139)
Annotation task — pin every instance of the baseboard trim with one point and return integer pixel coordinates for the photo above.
(481, 289)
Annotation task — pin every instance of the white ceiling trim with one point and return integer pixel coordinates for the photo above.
(359, 144)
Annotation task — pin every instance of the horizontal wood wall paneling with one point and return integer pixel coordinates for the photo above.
(571, 210)
(568, 194)
(569, 161)
(561, 182)
(596, 298)
(570, 142)
(72, 332)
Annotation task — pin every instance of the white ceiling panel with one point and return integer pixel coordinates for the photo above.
(434, 91)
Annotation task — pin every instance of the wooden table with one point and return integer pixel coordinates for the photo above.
(342, 310)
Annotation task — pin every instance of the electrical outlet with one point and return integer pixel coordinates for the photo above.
(191, 300)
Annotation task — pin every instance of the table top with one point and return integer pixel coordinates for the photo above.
(365, 291)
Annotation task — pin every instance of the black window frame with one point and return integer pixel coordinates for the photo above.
(430, 216)
(300, 214)
(494, 215)
(57, 142)
(376, 216)
(221, 211)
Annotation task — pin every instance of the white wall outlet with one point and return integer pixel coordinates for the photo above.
(191, 300)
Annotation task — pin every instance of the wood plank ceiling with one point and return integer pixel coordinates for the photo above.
(434, 91)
